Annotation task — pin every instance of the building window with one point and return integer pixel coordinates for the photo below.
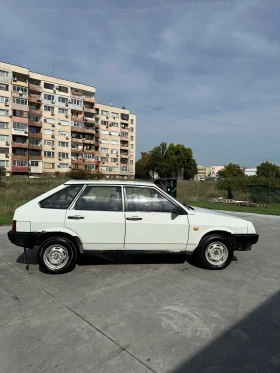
(49, 165)
(48, 97)
(124, 134)
(49, 120)
(88, 115)
(131, 121)
(63, 100)
(48, 132)
(88, 156)
(34, 82)
(48, 86)
(104, 122)
(124, 116)
(18, 88)
(76, 102)
(63, 165)
(4, 74)
(20, 101)
(4, 99)
(49, 154)
(4, 138)
(104, 159)
(34, 164)
(63, 89)
(49, 143)
(33, 118)
(63, 144)
(20, 126)
(104, 132)
(63, 133)
(114, 142)
(4, 125)
(4, 163)
(104, 112)
(103, 141)
(49, 108)
(131, 146)
(131, 138)
(20, 113)
(4, 112)
(4, 150)
(104, 150)
(4, 87)
(89, 167)
(115, 168)
(131, 162)
(62, 111)
(115, 115)
(20, 163)
(114, 133)
(104, 168)
(114, 160)
(131, 129)
(63, 155)
(114, 124)
(20, 78)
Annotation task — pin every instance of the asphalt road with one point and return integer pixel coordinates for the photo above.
(143, 314)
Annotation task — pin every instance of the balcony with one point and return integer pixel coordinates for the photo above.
(78, 118)
(35, 88)
(123, 171)
(24, 108)
(89, 141)
(124, 155)
(89, 151)
(20, 119)
(76, 151)
(88, 110)
(19, 132)
(125, 146)
(90, 100)
(89, 130)
(35, 147)
(89, 161)
(35, 157)
(19, 145)
(20, 169)
(34, 99)
(77, 140)
(35, 111)
(34, 135)
(20, 157)
(76, 92)
(89, 120)
(77, 161)
(77, 129)
(35, 124)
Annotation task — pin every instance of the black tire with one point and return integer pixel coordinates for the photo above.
(58, 250)
(207, 249)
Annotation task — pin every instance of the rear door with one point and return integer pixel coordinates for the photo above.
(98, 218)
(151, 223)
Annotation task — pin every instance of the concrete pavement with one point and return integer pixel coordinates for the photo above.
(143, 314)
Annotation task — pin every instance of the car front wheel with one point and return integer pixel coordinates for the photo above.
(214, 252)
(57, 255)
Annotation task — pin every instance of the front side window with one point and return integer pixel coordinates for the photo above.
(100, 198)
(62, 199)
(146, 200)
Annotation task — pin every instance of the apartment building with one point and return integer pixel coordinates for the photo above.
(50, 125)
(202, 173)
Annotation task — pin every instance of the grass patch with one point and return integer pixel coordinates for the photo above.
(6, 219)
(267, 210)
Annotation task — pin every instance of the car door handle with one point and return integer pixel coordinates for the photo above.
(134, 218)
(76, 217)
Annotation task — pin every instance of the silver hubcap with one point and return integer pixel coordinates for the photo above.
(56, 257)
(216, 253)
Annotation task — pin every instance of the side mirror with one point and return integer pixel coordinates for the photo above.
(175, 211)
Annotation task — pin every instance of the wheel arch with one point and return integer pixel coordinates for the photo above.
(65, 234)
(225, 233)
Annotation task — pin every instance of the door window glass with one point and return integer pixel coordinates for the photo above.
(100, 198)
(147, 200)
(62, 199)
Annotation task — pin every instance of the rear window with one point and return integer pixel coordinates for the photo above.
(61, 200)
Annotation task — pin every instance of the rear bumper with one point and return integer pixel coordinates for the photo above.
(244, 242)
(23, 239)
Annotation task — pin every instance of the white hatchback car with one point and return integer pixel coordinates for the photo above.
(81, 217)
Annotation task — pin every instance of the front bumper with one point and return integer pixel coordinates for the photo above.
(244, 242)
(23, 239)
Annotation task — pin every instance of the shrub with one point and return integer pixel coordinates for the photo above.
(77, 174)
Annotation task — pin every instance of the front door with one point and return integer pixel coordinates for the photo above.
(151, 223)
(98, 218)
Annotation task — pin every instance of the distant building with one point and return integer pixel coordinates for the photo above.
(250, 171)
(202, 173)
(215, 170)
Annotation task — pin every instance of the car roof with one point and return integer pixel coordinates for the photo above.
(109, 182)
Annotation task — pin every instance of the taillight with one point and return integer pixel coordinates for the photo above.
(14, 226)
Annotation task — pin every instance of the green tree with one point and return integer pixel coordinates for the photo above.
(142, 167)
(2, 172)
(231, 170)
(267, 169)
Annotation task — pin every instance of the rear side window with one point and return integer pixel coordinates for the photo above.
(61, 200)
(100, 198)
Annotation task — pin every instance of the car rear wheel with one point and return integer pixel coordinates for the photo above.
(57, 255)
(214, 252)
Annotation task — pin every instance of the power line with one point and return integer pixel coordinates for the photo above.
(191, 116)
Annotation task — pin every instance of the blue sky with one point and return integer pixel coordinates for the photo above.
(216, 60)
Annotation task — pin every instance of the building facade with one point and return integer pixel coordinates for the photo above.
(202, 173)
(50, 125)
(215, 170)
